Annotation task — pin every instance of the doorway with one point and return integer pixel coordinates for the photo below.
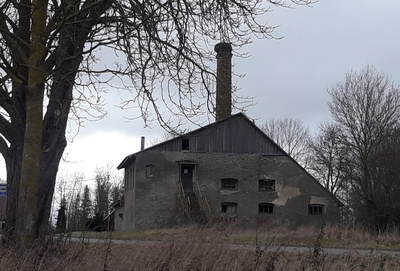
(187, 178)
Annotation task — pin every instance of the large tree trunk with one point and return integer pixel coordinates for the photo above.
(14, 152)
(27, 207)
(54, 141)
(33, 159)
(52, 148)
(13, 166)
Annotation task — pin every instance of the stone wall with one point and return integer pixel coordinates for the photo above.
(154, 204)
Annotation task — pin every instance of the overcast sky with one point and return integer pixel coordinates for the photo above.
(288, 77)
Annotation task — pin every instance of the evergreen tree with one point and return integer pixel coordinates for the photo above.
(75, 213)
(86, 207)
(61, 224)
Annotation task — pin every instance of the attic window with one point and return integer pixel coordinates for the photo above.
(266, 185)
(315, 209)
(266, 208)
(149, 171)
(229, 184)
(229, 207)
(185, 144)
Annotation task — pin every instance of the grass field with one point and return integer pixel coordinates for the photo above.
(333, 236)
(190, 248)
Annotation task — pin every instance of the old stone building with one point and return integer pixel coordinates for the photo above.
(226, 172)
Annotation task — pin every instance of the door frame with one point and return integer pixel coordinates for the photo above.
(187, 188)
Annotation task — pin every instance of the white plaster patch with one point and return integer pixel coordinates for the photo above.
(318, 200)
(286, 193)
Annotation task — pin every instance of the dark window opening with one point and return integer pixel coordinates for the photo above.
(149, 171)
(185, 144)
(315, 209)
(229, 184)
(266, 185)
(266, 208)
(229, 208)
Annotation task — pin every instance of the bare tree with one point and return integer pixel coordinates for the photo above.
(385, 171)
(50, 61)
(291, 135)
(366, 107)
(328, 163)
(69, 187)
(117, 191)
(328, 158)
(102, 193)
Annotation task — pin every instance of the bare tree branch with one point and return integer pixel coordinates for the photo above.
(291, 135)
(366, 107)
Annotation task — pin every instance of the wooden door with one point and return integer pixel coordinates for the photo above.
(187, 178)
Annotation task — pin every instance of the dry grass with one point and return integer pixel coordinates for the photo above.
(334, 236)
(202, 249)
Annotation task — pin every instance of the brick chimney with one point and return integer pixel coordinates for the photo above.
(224, 81)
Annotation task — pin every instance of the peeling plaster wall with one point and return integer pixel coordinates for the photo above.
(286, 193)
(155, 204)
(319, 200)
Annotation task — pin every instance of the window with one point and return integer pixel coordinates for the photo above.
(185, 144)
(149, 171)
(315, 209)
(266, 208)
(129, 178)
(229, 184)
(229, 208)
(266, 185)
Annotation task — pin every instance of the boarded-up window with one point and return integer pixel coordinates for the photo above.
(229, 184)
(229, 208)
(266, 208)
(150, 172)
(266, 185)
(315, 209)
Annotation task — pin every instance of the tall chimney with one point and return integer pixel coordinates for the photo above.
(142, 143)
(224, 80)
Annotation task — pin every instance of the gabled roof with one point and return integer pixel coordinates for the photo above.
(130, 159)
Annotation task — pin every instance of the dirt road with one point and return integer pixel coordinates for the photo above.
(287, 249)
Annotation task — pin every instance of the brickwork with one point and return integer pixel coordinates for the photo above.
(224, 81)
(154, 203)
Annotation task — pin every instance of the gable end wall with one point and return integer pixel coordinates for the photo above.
(155, 198)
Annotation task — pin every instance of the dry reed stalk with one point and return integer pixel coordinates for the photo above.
(192, 249)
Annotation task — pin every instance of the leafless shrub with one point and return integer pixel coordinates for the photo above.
(318, 255)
